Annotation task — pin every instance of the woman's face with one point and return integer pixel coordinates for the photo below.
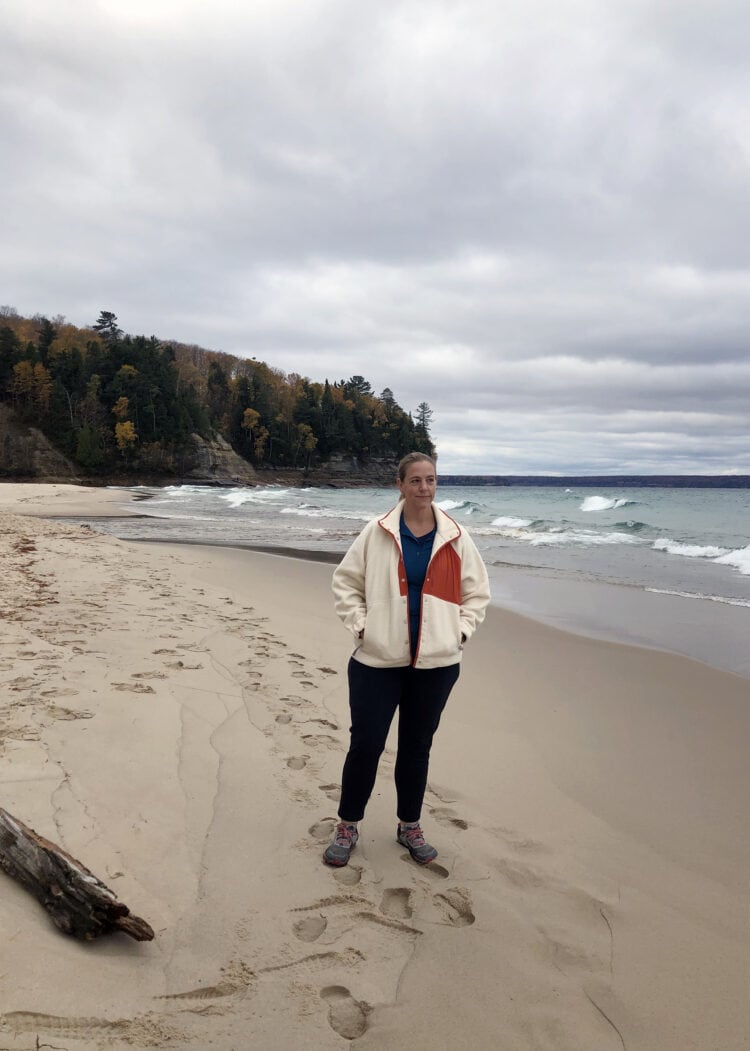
(419, 485)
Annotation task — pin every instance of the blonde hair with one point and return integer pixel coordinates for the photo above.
(411, 458)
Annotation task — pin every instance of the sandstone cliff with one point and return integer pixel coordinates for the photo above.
(26, 453)
(215, 461)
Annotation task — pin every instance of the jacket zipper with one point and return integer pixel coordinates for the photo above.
(392, 535)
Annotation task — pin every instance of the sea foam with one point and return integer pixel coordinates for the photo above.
(467, 506)
(603, 503)
(740, 559)
(511, 523)
(582, 536)
(674, 547)
(697, 595)
(238, 497)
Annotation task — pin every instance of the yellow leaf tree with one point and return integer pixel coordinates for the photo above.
(125, 436)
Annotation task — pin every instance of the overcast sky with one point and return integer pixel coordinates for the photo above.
(534, 215)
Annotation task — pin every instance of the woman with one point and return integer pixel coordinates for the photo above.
(412, 589)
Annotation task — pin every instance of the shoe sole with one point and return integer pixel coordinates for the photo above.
(334, 863)
(419, 861)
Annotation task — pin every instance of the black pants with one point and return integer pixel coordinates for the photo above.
(374, 695)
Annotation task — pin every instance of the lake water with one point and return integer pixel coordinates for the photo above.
(658, 566)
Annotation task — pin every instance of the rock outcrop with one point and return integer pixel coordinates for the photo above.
(214, 461)
(26, 453)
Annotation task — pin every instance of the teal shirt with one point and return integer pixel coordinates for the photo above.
(417, 552)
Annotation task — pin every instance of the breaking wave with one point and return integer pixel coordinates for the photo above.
(582, 536)
(674, 547)
(740, 559)
(238, 497)
(604, 503)
(467, 506)
(511, 523)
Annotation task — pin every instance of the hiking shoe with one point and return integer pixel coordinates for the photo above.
(410, 836)
(343, 843)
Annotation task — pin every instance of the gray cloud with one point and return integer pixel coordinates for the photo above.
(533, 215)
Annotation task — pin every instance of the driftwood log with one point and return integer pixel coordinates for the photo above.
(79, 903)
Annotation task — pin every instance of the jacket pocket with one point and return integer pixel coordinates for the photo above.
(441, 631)
(386, 634)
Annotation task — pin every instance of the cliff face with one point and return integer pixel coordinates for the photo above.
(216, 462)
(26, 453)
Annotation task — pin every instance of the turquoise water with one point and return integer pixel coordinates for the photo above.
(692, 542)
(661, 567)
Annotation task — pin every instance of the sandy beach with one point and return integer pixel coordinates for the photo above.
(176, 718)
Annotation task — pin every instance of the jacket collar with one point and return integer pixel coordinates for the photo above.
(447, 529)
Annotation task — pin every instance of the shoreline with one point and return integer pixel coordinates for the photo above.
(615, 613)
(610, 612)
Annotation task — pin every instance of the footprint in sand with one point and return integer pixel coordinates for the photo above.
(445, 816)
(520, 842)
(148, 675)
(434, 869)
(455, 905)
(328, 671)
(323, 740)
(323, 830)
(22, 682)
(67, 714)
(303, 678)
(297, 762)
(348, 876)
(294, 701)
(324, 722)
(346, 1016)
(310, 928)
(332, 791)
(520, 875)
(396, 903)
(284, 718)
(133, 687)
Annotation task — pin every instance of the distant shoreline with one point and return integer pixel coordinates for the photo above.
(669, 481)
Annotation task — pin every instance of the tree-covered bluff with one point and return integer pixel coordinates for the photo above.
(127, 406)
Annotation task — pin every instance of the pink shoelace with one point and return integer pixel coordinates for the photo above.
(345, 835)
(414, 835)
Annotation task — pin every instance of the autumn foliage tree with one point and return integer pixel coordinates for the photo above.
(110, 400)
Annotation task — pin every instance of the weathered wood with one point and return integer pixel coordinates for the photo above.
(79, 903)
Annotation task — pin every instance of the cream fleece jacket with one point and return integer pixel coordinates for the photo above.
(371, 596)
